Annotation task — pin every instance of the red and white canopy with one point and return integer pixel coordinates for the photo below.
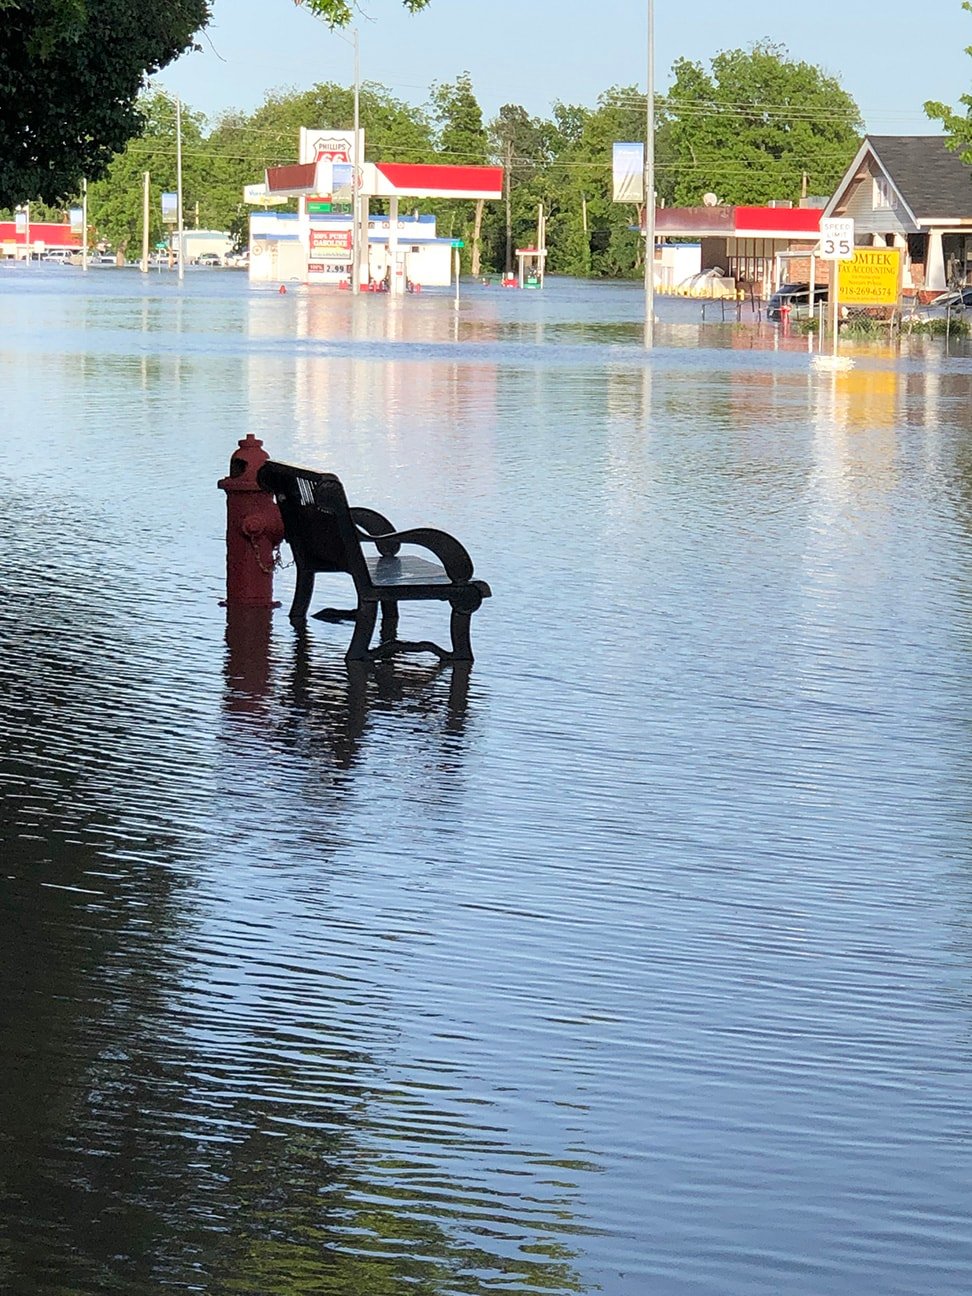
(391, 180)
(419, 180)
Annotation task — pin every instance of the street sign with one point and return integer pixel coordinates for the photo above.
(458, 243)
(161, 247)
(837, 239)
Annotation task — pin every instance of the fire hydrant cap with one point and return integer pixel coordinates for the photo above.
(250, 456)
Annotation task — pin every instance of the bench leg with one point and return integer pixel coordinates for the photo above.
(364, 628)
(302, 594)
(461, 642)
(389, 621)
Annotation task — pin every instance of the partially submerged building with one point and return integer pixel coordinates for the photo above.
(914, 193)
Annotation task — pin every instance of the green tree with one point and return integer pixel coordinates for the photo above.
(70, 76)
(958, 125)
(339, 13)
(522, 145)
(758, 126)
(461, 140)
(589, 233)
(115, 201)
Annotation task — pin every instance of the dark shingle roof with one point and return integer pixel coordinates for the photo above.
(934, 182)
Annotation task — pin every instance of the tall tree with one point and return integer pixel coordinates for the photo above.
(522, 146)
(749, 129)
(115, 201)
(589, 233)
(958, 125)
(70, 76)
(461, 140)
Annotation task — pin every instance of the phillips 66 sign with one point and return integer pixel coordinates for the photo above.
(837, 239)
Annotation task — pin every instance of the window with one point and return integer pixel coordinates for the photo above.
(881, 198)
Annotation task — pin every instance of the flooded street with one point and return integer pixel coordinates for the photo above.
(637, 961)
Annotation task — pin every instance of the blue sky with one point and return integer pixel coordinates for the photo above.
(891, 57)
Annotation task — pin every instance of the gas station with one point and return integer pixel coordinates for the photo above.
(333, 239)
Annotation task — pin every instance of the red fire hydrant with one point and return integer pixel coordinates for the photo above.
(254, 529)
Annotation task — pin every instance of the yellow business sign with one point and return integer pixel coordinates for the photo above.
(873, 278)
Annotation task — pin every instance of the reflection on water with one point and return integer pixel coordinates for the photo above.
(634, 959)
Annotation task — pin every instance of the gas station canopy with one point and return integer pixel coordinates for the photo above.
(390, 180)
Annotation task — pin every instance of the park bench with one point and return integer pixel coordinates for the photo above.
(326, 534)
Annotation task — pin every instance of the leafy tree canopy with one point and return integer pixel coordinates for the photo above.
(754, 126)
(339, 13)
(958, 125)
(70, 75)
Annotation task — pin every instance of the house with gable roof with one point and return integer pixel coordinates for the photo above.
(912, 192)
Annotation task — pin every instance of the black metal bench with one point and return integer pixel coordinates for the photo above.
(325, 535)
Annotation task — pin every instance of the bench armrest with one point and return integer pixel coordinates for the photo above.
(450, 553)
(376, 524)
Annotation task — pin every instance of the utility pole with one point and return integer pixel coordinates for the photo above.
(356, 178)
(143, 266)
(650, 186)
(509, 208)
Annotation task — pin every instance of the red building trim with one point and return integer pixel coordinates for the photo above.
(738, 222)
(760, 222)
(50, 233)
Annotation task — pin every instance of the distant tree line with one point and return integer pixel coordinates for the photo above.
(753, 126)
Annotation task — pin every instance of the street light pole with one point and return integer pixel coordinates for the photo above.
(356, 173)
(182, 250)
(650, 185)
(84, 225)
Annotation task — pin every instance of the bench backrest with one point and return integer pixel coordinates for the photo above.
(317, 519)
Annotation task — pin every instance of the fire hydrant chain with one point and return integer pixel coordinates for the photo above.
(276, 562)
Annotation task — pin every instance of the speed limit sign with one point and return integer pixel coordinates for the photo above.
(837, 239)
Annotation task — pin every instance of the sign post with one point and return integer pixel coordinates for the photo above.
(836, 245)
(456, 254)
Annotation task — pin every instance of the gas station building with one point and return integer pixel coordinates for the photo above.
(315, 244)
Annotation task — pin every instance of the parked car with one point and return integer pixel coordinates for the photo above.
(209, 259)
(954, 299)
(954, 302)
(795, 298)
(59, 256)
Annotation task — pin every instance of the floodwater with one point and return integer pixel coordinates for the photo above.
(636, 960)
